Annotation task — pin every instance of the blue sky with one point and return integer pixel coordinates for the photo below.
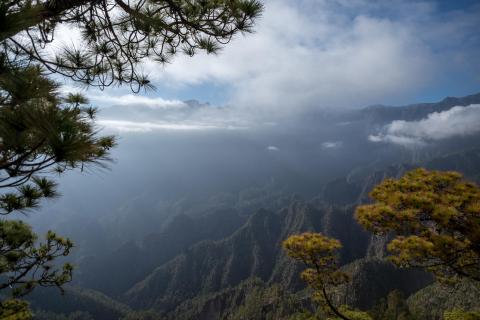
(448, 5)
(314, 54)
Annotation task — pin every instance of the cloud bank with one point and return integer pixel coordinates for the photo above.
(142, 127)
(457, 121)
(135, 100)
(151, 114)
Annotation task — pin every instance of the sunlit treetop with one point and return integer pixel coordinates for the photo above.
(119, 34)
(435, 217)
(319, 253)
(313, 249)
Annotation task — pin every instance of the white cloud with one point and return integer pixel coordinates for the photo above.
(272, 148)
(457, 121)
(323, 53)
(315, 53)
(135, 113)
(331, 144)
(136, 100)
(142, 127)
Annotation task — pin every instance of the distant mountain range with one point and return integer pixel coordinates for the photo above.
(381, 113)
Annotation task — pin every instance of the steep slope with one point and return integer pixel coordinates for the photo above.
(212, 265)
(252, 251)
(155, 249)
(251, 299)
(467, 162)
(354, 188)
(373, 279)
(430, 302)
(77, 299)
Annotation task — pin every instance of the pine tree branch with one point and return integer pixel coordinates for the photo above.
(28, 17)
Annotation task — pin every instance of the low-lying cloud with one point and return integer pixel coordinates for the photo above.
(144, 114)
(457, 121)
(331, 144)
(137, 100)
(273, 148)
(142, 127)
